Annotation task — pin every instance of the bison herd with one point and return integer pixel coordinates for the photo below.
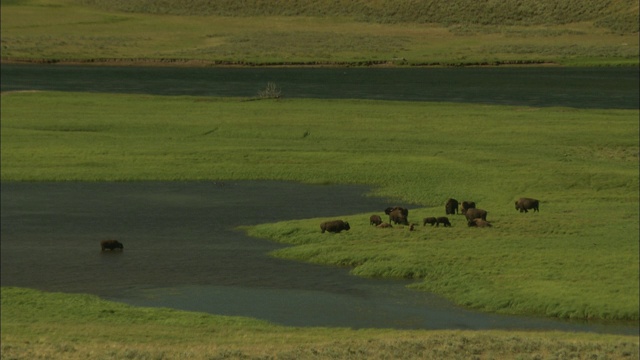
(474, 216)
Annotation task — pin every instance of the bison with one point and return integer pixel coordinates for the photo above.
(384, 225)
(404, 211)
(451, 207)
(525, 204)
(334, 226)
(466, 205)
(375, 220)
(398, 216)
(111, 245)
(444, 221)
(478, 223)
(429, 220)
(474, 213)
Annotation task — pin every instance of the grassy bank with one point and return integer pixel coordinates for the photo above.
(351, 33)
(37, 325)
(577, 258)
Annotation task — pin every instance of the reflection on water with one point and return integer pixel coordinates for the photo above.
(181, 251)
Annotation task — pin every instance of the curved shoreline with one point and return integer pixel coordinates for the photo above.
(228, 63)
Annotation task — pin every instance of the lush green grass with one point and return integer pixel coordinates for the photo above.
(352, 32)
(38, 325)
(614, 14)
(577, 258)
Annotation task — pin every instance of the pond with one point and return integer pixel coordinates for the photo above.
(605, 88)
(183, 250)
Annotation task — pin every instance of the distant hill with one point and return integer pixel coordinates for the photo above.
(620, 16)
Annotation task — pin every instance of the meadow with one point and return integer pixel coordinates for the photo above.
(577, 258)
(353, 33)
(38, 325)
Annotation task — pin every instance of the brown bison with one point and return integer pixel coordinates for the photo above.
(444, 221)
(111, 245)
(466, 205)
(474, 213)
(478, 223)
(429, 220)
(375, 220)
(334, 226)
(451, 207)
(384, 225)
(404, 211)
(398, 216)
(525, 204)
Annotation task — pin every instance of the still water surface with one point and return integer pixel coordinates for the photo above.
(182, 250)
(605, 88)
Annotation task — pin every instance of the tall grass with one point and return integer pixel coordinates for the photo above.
(615, 14)
(320, 32)
(37, 325)
(577, 258)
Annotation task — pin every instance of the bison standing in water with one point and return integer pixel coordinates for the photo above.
(334, 226)
(111, 245)
(525, 204)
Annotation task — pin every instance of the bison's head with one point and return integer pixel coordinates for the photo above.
(346, 226)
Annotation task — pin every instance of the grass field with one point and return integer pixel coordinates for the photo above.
(577, 258)
(323, 33)
(39, 325)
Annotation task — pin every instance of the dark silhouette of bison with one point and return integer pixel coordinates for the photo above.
(384, 225)
(451, 207)
(111, 245)
(474, 213)
(429, 220)
(466, 205)
(404, 211)
(444, 221)
(334, 226)
(399, 216)
(525, 204)
(478, 223)
(375, 220)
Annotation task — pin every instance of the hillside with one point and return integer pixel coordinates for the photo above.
(320, 33)
(616, 15)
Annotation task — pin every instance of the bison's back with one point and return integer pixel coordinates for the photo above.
(334, 226)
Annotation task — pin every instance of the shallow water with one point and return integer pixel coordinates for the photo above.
(182, 251)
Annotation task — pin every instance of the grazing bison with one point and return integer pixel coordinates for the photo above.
(384, 225)
(404, 211)
(451, 207)
(375, 220)
(478, 223)
(444, 221)
(398, 216)
(466, 205)
(474, 213)
(429, 220)
(334, 226)
(525, 204)
(111, 245)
